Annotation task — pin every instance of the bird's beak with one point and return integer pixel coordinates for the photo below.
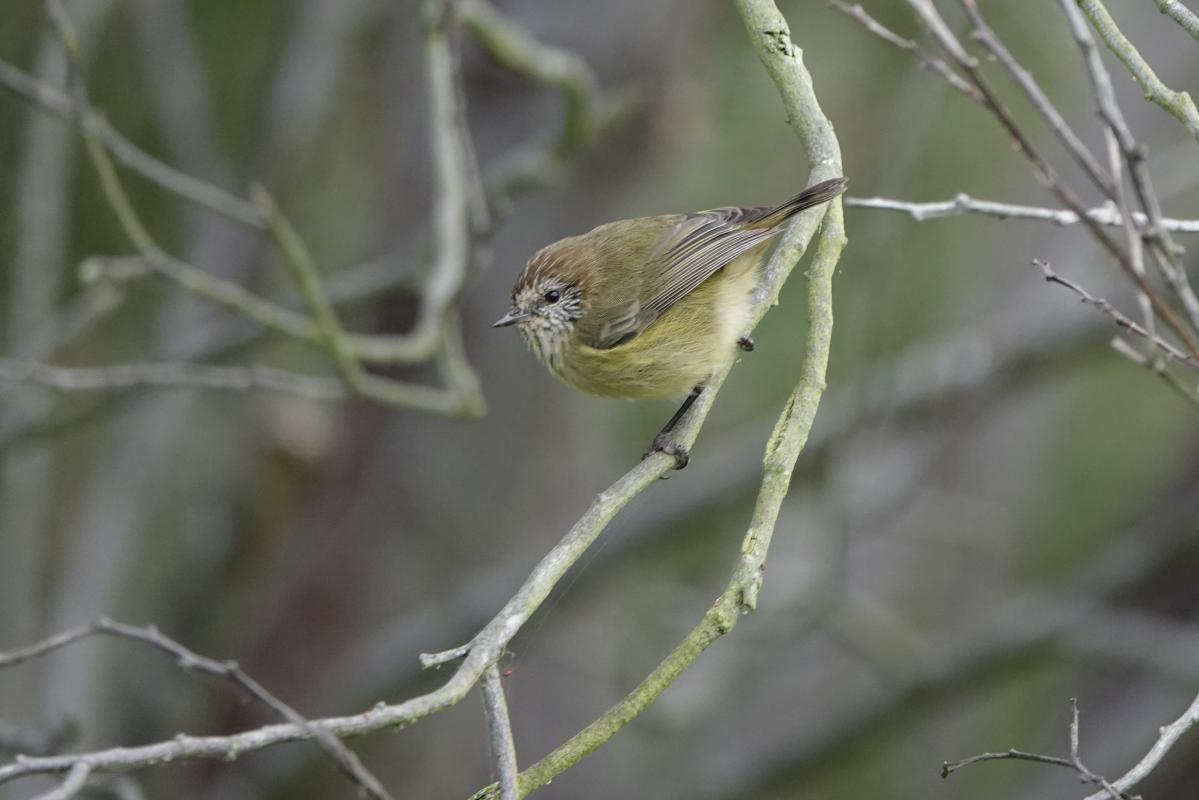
(513, 316)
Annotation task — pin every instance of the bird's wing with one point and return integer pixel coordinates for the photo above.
(686, 254)
(697, 247)
(693, 248)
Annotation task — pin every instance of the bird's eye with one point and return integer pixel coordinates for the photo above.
(552, 296)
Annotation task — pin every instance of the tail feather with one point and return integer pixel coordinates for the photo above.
(812, 196)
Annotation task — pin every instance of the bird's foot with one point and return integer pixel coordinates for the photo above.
(746, 343)
(662, 444)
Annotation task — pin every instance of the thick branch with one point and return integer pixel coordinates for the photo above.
(769, 33)
(1176, 11)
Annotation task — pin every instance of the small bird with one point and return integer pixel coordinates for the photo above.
(650, 307)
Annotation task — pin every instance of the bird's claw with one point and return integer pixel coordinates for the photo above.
(662, 444)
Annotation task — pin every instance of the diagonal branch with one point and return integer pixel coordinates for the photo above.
(1164, 250)
(1176, 11)
(986, 36)
(1119, 317)
(1168, 737)
(937, 65)
(1177, 104)
(1045, 172)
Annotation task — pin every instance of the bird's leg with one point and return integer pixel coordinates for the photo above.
(662, 443)
(746, 343)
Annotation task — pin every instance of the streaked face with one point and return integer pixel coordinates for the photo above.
(545, 310)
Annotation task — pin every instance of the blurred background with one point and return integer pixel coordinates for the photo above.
(996, 512)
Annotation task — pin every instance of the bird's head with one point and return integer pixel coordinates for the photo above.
(546, 304)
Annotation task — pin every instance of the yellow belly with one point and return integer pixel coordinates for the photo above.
(678, 351)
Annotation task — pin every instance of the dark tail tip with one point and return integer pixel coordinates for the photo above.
(820, 193)
(812, 196)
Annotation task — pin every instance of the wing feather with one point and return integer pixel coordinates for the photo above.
(693, 249)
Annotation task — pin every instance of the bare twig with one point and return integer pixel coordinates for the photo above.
(53, 101)
(1167, 738)
(464, 399)
(1132, 234)
(929, 15)
(588, 113)
(985, 35)
(1177, 104)
(175, 375)
(1121, 319)
(1175, 275)
(1176, 11)
(462, 219)
(965, 204)
(15, 739)
(950, 767)
(937, 65)
(503, 748)
(1189, 393)
(484, 649)
(1164, 250)
(189, 661)
(1074, 762)
(459, 400)
(1076, 758)
(71, 785)
(1018, 633)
